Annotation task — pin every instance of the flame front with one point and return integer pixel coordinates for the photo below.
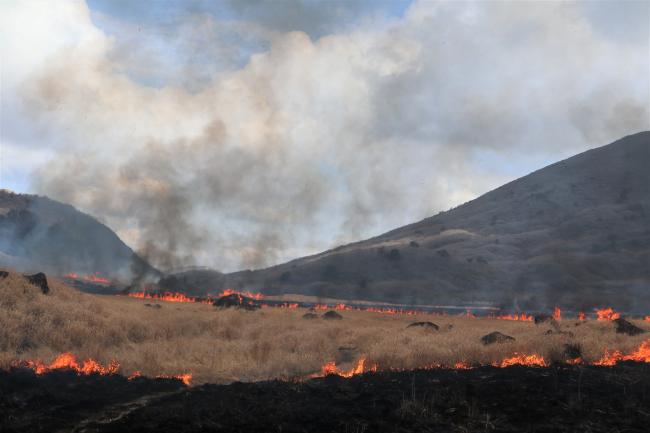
(186, 378)
(330, 368)
(67, 361)
(533, 360)
(641, 354)
(522, 317)
(93, 278)
(168, 297)
(246, 293)
(605, 314)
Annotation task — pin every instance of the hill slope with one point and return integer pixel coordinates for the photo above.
(37, 233)
(575, 233)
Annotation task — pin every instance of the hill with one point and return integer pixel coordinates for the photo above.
(39, 234)
(575, 233)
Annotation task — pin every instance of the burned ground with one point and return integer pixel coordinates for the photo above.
(514, 399)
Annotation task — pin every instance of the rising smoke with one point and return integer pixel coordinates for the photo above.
(315, 142)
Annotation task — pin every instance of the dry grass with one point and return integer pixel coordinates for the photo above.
(225, 345)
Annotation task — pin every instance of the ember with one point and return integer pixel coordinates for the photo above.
(185, 378)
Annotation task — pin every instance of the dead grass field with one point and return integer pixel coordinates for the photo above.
(216, 345)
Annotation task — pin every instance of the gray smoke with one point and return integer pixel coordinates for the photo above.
(310, 143)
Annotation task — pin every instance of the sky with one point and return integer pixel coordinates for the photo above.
(240, 134)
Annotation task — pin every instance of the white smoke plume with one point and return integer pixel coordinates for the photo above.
(308, 142)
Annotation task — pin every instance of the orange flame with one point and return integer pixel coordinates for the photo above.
(186, 378)
(330, 368)
(533, 360)
(642, 354)
(169, 297)
(557, 313)
(69, 362)
(605, 314)
(646, 318)
(246, 293)
(523, 317)
(582, 317)
(93, 278)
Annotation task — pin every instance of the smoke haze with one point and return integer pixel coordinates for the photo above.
(245, 142)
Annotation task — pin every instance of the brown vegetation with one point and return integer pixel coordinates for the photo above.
(222, 345)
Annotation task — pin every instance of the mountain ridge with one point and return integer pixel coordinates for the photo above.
(575, 233)
(41, 234)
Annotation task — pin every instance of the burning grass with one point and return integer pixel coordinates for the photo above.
(222, 345)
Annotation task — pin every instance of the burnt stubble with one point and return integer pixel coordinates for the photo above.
(559, 398)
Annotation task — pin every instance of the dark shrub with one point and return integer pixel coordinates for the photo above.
(394, 255)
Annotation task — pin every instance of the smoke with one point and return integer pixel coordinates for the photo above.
(309, 142)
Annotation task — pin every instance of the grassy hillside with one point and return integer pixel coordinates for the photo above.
(217, 345)
(37, 233)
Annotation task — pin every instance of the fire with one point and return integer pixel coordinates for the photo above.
(533, 360)
(468, 313)
(557, 313)
(605, 314)
(68, 361)
(523, 317)
(169, 297)
(93, 278)
(246, 293)
(330, 368)
(186, 378)
(642, 354)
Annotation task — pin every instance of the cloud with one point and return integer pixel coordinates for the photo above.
(317, 141)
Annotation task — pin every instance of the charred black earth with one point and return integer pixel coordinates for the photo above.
(513, 399)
